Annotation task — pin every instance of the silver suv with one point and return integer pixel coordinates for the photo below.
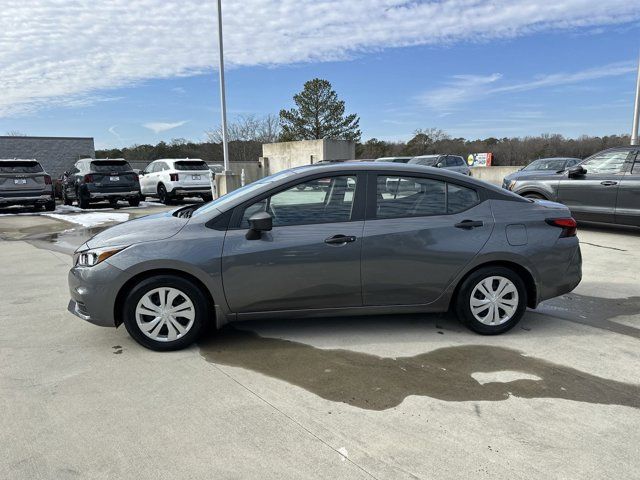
(273, 249)
(454, 163)
(24, 182)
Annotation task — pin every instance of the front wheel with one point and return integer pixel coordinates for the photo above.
(533, 196)
(491, 300)
(165, 312)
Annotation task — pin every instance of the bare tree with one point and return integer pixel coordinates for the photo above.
(15, 133)
(248, 128)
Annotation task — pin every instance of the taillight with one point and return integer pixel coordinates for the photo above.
(568, 225)
(47, 180)
(173, 177)
(88, 178)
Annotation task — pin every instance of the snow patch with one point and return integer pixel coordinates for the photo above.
(91, 219)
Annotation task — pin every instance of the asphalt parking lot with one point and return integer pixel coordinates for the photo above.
(377, 397)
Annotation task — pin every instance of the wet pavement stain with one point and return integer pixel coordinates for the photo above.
(66, 241)
(375, 383)
(594, 311)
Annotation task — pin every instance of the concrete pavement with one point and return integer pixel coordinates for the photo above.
(386, 397)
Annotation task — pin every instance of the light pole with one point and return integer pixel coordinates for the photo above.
(636, 111)
(223, 102)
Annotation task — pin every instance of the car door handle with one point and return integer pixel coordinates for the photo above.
(340, 239)
(469, 224)
(608, 183)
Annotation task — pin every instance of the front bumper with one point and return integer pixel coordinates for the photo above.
(93, 292)
(26, 199)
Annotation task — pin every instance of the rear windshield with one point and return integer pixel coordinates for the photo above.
(428, 161)
(20, 167)
(111, 166)
(191, 165)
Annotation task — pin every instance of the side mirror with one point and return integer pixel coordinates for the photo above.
(576, 171)
(258, 223)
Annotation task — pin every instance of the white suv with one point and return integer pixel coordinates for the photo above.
(172, 179)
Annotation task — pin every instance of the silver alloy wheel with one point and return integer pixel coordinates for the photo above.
(165, 314)
(494, 300)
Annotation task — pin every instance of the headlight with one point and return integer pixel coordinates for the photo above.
(89, 258)
(512, 184)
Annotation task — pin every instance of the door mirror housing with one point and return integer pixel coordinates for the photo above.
(259, 222)
(576, 171)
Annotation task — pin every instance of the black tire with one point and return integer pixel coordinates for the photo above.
(113, 202)
(50, 206)
(83, 200)
(207, 198)
(163, 195)
(194, 294)
(463, 300)
(534, 196)
(66, 200)
(134, 202)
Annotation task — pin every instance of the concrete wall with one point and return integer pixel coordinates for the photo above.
(493, 174)
(282, 155)
(56, 154)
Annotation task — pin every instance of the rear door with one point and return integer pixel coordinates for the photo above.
(414, 245)
(113, 176)
(628, 203)
(592, 197)
(147, 182)
(311, 258)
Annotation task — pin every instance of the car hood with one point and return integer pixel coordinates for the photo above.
(533, 174)
(144, 229)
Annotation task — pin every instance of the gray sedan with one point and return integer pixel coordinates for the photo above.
(273, 249)
(603, 188)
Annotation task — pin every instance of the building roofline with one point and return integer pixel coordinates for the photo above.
(44, 138)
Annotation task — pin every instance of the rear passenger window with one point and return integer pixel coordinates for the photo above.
(420, 197)
(460, 198)
(410, 197)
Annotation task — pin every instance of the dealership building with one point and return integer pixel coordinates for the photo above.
(55, 154)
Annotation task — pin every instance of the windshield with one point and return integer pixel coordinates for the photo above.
(429, 161)
(219, 203)
(554, 164)
(20, 167)
(111, 166)
(191, 165)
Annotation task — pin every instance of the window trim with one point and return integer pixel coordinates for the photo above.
(372, 194)
(357, 210)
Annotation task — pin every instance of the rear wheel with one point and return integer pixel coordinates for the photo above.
(491, 300)
(83, 200)
(113, 202)
(207, 197)
(134, 202)
(50, 206)
(165, 312)
(163, 195)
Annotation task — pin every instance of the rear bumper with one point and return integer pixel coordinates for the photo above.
(199, 190)
(563, 281)
(129, 194)
(7, 199)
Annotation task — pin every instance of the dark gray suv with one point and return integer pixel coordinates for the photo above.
(24, 182)
(603, 188)
(355, 247)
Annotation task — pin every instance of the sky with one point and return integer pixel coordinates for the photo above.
(138, 72)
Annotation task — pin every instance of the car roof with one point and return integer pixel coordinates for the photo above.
(18, 160)
(178, 160)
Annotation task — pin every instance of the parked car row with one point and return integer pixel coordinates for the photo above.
(454, 163)
(603, 188)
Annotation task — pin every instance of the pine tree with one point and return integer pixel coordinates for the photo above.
(318, 114)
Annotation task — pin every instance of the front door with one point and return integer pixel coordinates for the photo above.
(628, 204)
(592, 197)
(419, 234)
(311, 258)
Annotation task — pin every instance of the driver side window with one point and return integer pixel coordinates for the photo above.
(607, 162)
(322, 200)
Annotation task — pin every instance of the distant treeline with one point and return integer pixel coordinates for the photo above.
(506, 151)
